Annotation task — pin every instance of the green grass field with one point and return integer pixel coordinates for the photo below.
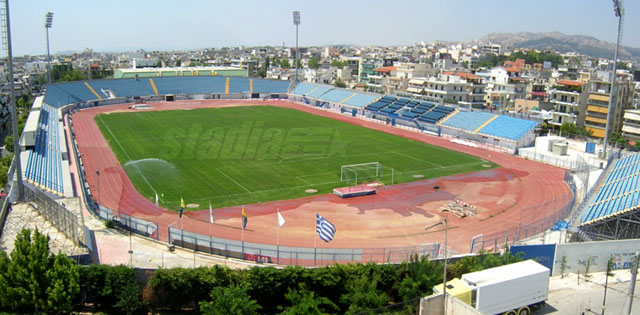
(242, 155)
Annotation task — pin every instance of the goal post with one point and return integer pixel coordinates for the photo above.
(363, 172)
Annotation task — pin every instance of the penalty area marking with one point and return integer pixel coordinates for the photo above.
(231, 179)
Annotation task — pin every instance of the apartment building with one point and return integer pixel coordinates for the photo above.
(456, 87)
(631, 125)
(597, 104)
(566, 98)
(503, 87)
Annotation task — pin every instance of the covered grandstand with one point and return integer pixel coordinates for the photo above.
(613, 212)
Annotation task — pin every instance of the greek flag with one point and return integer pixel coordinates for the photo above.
(325, 229)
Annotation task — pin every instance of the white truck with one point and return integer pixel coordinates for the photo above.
(512, 289)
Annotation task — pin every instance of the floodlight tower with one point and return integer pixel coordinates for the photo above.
(6, 41)
(619, 12)
(296, 22)
(47, 24)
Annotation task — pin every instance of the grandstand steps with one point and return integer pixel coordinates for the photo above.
(316, 88)
(153, 86)
(447, 117)
(226, 86)
(485, 123)
(348, 98)
(92, 90)
(251, 86)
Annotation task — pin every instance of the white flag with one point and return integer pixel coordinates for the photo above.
(156, 200)
(210, 213)
(280, 219)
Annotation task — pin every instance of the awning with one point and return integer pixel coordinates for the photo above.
(597, 109)
(596, 120)
(414, 90)
(601, 98)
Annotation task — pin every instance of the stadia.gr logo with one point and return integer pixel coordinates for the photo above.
(251, 140)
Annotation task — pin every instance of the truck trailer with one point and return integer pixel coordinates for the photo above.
(512, 289)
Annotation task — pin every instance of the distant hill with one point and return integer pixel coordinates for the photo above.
(582, 44)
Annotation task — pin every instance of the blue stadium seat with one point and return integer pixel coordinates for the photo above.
(508, 128)
(619, 192)
(360, 100)
(469, 121)
(335, 95)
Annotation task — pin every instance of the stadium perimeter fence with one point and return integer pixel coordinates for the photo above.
(299, 256)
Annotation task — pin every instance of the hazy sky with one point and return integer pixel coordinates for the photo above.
(117, 25)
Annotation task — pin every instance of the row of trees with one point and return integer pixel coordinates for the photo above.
(529, 57)
(33, 279)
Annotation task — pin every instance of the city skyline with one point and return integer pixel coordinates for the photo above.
(125, 26)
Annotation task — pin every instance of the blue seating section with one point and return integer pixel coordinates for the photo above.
(239, 85)
(335, 96)
(318, 91)
(270, 86)
(508, 128)
(360, 100)
(410, 109)
(303, 88)
(619, 193)
(190, 85)
(469, 121)
(65, 93)
(123, 87)
(436, 114)
(44, 164)
(61, 94)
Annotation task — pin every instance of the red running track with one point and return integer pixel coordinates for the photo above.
(395, 217)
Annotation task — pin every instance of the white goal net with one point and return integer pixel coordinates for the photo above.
(359, 173)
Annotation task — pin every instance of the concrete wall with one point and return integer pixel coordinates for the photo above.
(598, 253)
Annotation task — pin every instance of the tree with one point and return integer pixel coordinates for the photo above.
(465, 64)
(622, 65)
(363, 294)
(285, 64)
(418, 276)
(313, 63)
(63, 283)
(33, 279)
(305, 302)
(339, 83)
(8, 143)
(233, 300)
(178, 63)
(339, 64)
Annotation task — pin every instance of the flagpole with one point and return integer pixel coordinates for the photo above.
(210, 226)
(242, 226)
(278, 236)
(315, 238)
(157, 220)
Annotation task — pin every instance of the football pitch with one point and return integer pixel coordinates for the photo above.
(242, 155)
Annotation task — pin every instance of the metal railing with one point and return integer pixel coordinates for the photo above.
(289, 255)
(64, 220)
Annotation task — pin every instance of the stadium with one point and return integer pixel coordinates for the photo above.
(243, 167)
